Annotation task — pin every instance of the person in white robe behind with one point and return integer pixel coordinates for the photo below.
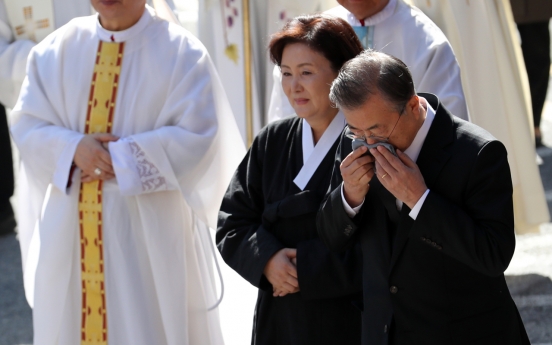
(483, 35)
(396, 28)
(127, 144)
(17, 38)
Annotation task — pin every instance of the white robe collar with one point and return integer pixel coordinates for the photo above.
(124, 35)
(377, 18)
(313, 155)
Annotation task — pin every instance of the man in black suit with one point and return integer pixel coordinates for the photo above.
(436, 225)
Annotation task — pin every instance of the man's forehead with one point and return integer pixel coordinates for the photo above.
(360, 118)
(373, 113)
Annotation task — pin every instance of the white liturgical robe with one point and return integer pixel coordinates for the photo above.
(178, 147)
(484, 37)
(14, 48)
(408, 34)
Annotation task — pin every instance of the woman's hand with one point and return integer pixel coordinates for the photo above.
(282, 273)
(91, 154)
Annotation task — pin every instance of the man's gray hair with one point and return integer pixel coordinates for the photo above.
(371, 73)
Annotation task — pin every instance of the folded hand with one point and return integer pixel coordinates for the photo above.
(281, 272)
(91, 154)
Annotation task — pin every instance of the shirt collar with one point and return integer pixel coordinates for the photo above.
(377, 18)
(413, 151)
(124, 35)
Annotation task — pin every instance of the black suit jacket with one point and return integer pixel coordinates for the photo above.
(442, 281)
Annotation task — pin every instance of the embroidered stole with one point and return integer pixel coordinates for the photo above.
(99, 119)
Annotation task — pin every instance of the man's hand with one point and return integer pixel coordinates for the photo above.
(357, 171)
(400, 176)
(282, 273)
(91, 154)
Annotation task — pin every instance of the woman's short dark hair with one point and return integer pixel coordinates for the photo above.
(331, 36)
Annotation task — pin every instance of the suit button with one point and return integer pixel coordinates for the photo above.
(393, 289)
(348, 230)
(385, 329)
(423, 238)
(434, 244)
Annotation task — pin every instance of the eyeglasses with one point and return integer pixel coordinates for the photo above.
(360, 134)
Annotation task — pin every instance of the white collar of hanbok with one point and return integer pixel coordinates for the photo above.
(377, 18)
(124, 35)
(313, 155)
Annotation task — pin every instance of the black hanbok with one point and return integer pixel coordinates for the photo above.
(263, 211)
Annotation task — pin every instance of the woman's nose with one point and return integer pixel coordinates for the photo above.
(296, 84)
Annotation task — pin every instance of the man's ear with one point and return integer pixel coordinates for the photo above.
(413, 106)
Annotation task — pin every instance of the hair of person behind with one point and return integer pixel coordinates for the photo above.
(369, 73)
(331, 36)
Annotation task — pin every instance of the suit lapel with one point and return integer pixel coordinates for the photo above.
(432, 159)
(435, 153)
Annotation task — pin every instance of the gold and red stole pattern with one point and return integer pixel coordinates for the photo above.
(99, 119)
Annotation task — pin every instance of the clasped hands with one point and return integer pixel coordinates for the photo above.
(91, 154)
(281, 272)
(400, 176)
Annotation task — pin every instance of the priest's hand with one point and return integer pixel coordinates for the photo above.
(357, 172)
(282, 273)
(91, 155)
(400, 176)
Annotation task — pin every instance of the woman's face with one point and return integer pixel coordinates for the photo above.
(306, 79)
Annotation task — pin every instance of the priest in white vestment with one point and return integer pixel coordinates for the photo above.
(484, 37)
(127, 144)
(396, 28)
(24, 23)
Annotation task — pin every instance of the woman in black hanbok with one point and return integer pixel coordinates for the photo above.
(267, 231)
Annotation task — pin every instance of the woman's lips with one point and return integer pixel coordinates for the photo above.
(301, 101)
(108, 2)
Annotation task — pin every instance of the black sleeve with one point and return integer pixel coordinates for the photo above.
(335, 228)
(243, 242)
(479, 234)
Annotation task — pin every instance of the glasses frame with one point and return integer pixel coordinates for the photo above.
(350, 134)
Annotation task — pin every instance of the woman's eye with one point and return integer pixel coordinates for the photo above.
(306, 73)
(286, 74)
